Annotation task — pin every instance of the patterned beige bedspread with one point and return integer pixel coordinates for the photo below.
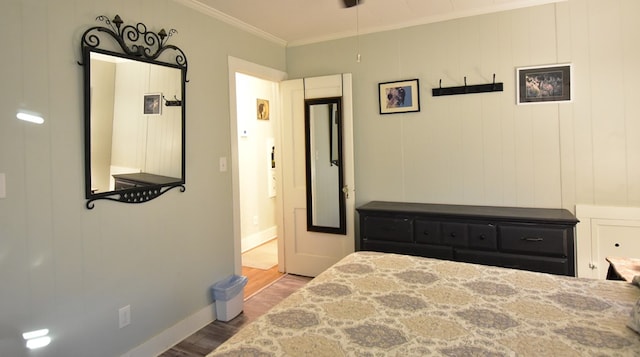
(376, 304)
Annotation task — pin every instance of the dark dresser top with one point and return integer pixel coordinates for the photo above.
(146, 178)
(524, 214)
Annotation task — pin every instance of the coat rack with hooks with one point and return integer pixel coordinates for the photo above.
(172, 103)
(476, 88)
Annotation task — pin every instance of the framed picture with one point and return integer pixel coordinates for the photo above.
(152, 104)
(399, 97)
(544, 84)
(262, 107)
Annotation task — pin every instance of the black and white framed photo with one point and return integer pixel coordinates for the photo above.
(152, 104)
(399, 96)
(544, 84)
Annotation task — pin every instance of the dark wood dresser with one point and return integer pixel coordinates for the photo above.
(142, 179)
(535, 239)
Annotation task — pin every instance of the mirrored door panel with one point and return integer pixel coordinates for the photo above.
(325, 197)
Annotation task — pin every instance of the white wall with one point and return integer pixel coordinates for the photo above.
(148, 143)
(102, 98)
(70, 269)
(258, 208)
(482, 148)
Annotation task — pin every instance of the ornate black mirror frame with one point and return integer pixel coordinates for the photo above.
(138, 44)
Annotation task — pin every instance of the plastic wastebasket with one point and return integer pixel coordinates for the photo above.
(229, 296)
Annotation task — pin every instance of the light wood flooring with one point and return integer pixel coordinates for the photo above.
(261, 294)
(258, 279)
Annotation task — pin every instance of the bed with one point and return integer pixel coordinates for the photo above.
(380, 304)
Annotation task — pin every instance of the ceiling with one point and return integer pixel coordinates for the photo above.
(298, 22)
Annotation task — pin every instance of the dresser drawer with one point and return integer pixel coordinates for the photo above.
(483, 236)
(388, 228)
(123, 185)
(558, 266)
(454, 234)
(421, 250)
(534, 240)
(427, 231)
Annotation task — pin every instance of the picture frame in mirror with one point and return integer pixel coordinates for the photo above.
(152, 104)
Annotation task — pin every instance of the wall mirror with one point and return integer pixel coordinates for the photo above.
(134, 98)
(325, 179)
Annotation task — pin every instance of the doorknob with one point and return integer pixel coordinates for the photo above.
(345, 190)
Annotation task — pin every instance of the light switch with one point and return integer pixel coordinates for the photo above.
(3, 186)
(223, 164)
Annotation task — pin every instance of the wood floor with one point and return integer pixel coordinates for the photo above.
(258, 279)
(261, 294)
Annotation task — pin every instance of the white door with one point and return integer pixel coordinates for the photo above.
(309, 253)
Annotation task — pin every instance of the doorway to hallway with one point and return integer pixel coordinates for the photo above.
(255, 166)
(260, 266)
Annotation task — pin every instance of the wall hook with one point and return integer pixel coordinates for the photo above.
(172, 103)
(467, 89)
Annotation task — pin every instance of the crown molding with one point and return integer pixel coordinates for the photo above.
(500, 7)
(424, 21)
(209, 11)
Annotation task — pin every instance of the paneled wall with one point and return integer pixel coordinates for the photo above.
(483, 148)
(70, 269)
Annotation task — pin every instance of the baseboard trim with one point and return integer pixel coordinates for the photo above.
(174, 334)
(259, 238)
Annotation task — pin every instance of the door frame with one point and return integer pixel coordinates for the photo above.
(236, 65)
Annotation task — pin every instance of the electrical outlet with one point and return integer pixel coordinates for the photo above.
(255, 220)
(124, 316)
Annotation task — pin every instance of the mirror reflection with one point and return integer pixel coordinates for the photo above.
(135, 134)
(325, 199)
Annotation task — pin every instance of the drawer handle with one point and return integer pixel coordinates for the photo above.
(481, 237)
(532, 239)
(426, 233)
(453, 234)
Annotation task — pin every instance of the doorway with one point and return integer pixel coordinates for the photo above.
(255, 158)
(307, 253)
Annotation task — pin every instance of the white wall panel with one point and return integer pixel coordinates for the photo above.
(545, 155)
(631, 74)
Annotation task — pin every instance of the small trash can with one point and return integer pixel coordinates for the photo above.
(229, 297)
